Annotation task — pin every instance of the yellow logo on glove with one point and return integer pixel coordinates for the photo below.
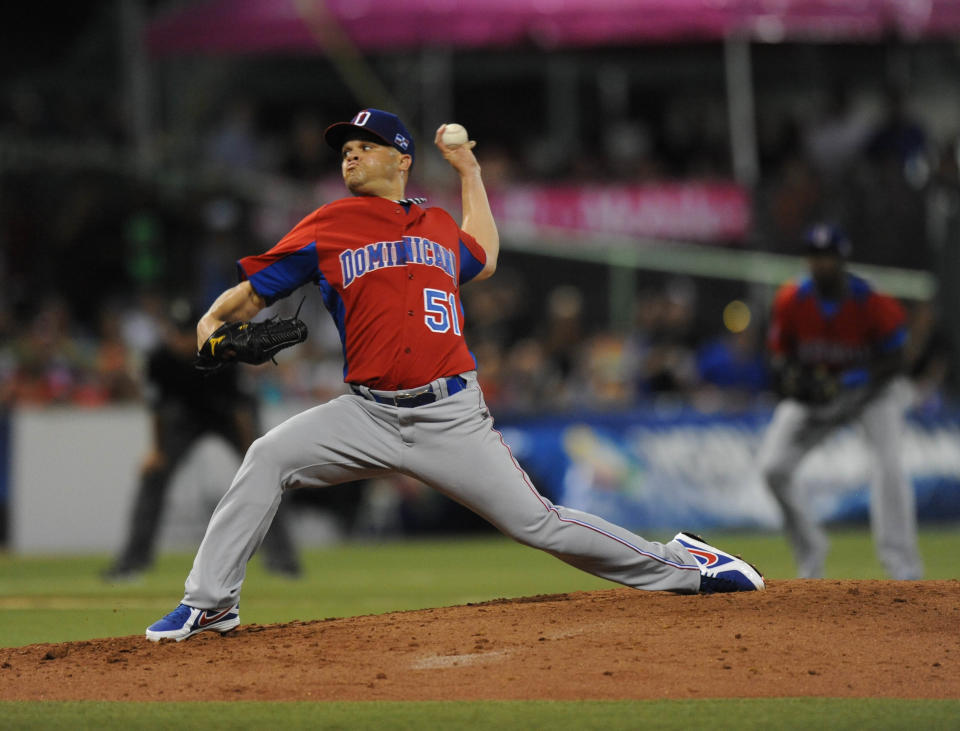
(215, 341)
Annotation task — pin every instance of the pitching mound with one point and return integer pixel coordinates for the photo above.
(798, 638)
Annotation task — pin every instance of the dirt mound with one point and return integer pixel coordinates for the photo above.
(798, 638)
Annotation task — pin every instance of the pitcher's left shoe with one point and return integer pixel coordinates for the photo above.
(720, 571)
(186, 621)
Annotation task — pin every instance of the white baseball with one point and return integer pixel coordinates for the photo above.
(454, 135)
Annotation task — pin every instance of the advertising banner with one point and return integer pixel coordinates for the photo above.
(690, 211)
(692, 471)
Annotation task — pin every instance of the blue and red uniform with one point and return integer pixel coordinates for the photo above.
(390, 276)
(856, 337)
(843, 335)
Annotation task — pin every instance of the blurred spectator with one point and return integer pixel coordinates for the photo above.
(795, 193)
(222, 243)
(604, 378)
(824, 151)
(50, 362)
(693, 136)
(628, 151)
(494, 308)
(946, 169)
(307, 158)
(779, 139)
(888, 194)
(731, 370)
(836, 140)
(143, 321)
(529, 381)
(899, 140)
(648, 309)
(233, 142)
(499, 168)
(113, 378)
(492, 376)
(662, 343)
(563, 332)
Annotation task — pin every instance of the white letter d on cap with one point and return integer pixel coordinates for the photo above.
(361, 119)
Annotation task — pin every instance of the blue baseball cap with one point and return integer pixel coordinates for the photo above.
(827, 238)
(382, 125)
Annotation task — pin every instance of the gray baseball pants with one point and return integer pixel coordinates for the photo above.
(796, 429)
(450, 445)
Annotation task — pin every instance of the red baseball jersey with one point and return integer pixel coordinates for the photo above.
(841, 334)
(390, 276)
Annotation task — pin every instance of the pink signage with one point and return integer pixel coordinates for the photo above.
(687, 211)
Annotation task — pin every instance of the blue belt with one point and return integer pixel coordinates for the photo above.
(417, 397)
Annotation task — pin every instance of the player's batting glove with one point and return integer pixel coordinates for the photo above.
(249, 342)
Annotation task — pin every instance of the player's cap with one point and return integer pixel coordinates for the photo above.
(827, 238)
(382, 125)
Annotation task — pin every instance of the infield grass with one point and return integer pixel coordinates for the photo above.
(61, 598)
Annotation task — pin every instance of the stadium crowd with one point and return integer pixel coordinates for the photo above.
(93, 256)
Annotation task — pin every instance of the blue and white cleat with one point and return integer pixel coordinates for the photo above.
(185, 621)
(719, 571)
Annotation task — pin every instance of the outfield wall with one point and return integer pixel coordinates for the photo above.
(73, 472)
(686, 469)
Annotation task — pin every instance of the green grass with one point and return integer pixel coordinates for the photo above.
(60, 598)
(52, 599)
(739, 714)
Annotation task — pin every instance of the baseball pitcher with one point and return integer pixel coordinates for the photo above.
(390, 272)
(837, 348)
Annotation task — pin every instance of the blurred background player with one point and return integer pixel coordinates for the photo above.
(837, 348)
(187, 405)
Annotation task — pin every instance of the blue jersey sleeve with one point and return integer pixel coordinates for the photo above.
(471, 264)
(275, 278)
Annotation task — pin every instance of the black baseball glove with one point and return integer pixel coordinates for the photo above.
(808, 384)
(249, 342)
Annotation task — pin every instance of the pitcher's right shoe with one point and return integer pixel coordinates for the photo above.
(719, 571)
(185, 621)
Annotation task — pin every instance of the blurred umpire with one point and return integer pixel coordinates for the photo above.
(186, 406)
(837, 349)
